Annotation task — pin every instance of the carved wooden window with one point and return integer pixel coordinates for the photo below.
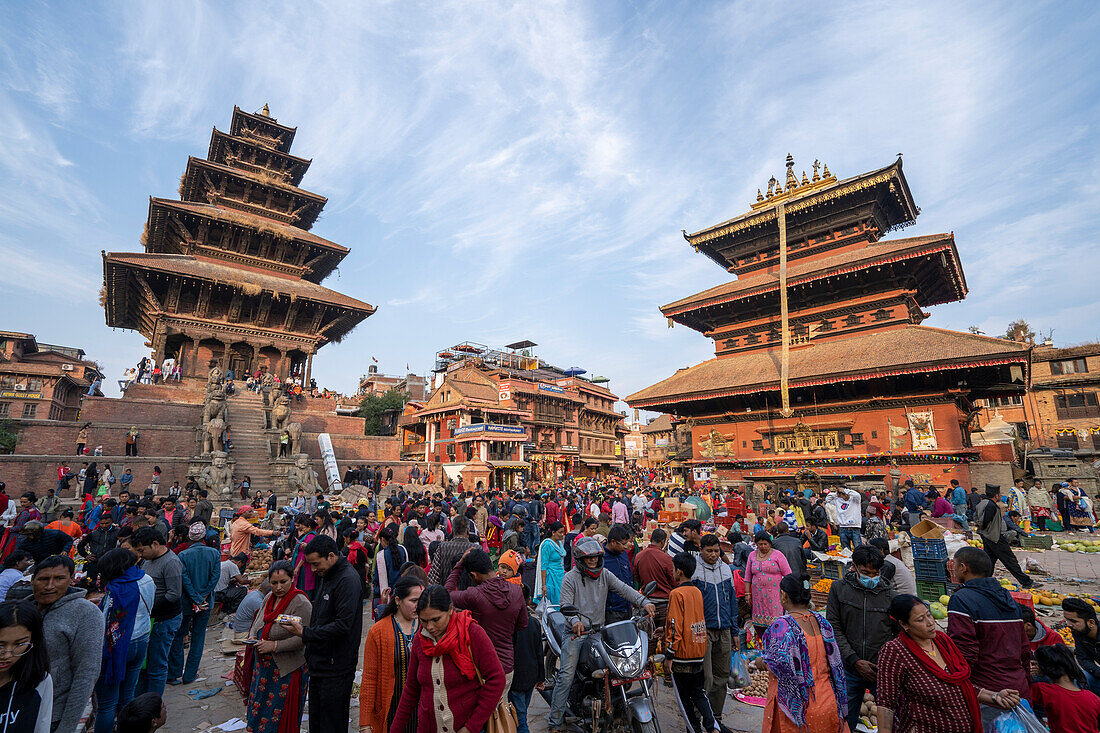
(758, 445)
(853, 320)
(825, 325)
(857, 439)
(751, 339)
(881, 314)
(773, 334)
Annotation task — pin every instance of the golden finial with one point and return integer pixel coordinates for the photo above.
(792, 180)
(817, 166)
(759, 196)
(771, 186)
(826, 172)
(266, 112)
(805, 180)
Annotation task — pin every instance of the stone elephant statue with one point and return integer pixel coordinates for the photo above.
(212, 436)
(295, 431)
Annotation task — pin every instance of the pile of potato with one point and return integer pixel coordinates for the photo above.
(869, 710)
(758, 687)
(261, 560)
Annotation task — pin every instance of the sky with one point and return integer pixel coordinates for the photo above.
(514, 170)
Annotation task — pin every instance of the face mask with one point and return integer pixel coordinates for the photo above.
(869, 582)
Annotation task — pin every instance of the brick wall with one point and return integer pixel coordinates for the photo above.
(50, 438)
(131, 411)
(37, 473)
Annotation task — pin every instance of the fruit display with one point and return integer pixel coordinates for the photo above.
(939, 609)
(1067, 635)
(260, 561)
(869, 710)
(974, 543)
(758, 687)
(823, 586)
(1081, 546)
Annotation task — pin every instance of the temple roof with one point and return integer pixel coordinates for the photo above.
(880, 197)
(246, 219)
(932, 287)
(206, 269)
(217, 151)
(189, 187)
(662, 424)
(905, 350)
(283, 134)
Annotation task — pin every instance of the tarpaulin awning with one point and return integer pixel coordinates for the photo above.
(451, 470)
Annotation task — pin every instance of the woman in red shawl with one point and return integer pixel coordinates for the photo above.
(452, 647)
(274, 667)
(924, 681)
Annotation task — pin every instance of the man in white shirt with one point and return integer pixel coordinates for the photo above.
(849, 512)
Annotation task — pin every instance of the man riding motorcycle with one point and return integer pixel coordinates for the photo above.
(585, 587)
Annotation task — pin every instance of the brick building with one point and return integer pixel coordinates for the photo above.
(667, 443)
(42, 381)
(376, 383)
(520, 416)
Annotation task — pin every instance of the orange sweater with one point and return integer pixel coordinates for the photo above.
(686, 628)
(376, 688)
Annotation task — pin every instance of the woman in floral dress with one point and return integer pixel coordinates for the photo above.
(765, 568)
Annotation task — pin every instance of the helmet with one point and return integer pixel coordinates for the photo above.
(588, 547)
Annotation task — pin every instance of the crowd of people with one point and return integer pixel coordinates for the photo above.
(455, 584)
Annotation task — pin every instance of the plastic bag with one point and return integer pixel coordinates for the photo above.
(1019, 719)
(739, 671)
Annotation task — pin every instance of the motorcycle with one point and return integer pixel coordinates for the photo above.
(612, 687)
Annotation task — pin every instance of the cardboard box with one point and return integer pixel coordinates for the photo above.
(672, 504)
(927, 530)
(687, 511)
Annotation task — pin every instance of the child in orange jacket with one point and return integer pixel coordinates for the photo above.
(686, 645)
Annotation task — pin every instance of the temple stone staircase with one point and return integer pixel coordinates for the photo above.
(250, 441)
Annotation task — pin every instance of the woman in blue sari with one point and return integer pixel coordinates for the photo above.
(550, 570)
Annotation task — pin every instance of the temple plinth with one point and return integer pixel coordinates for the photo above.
(231, 274)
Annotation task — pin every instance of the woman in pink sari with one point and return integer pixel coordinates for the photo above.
(763, 571)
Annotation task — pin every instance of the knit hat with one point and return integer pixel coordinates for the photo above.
(196, 531)
(511, 559)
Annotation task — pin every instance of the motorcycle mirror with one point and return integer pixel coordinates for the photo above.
(649, 588)
(570, 611)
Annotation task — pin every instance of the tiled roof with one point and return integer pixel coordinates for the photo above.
(232, 215)
(662, 424)
(817, 267)
(205, 269)
(908, 349)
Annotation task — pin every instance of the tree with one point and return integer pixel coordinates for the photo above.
(1019, 330)
(372, 407)
(8, 436)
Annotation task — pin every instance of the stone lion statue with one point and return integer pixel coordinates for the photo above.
(280, 413)
(214, 405)
(300, 476)
(217, 477)
(212, 433)
(295, 431)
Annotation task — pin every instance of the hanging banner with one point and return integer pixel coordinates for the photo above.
(921, 430)
(328, 458)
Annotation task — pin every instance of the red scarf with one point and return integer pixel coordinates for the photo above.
(455, 642)
(957, 672)
(270, 614)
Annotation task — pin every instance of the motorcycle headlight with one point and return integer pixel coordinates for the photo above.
(628, 662)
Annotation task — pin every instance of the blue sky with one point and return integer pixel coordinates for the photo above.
(504, 171)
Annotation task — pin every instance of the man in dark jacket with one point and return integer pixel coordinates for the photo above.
(816, 536)
(496, 604)
(1081, 618)
(204, 509)
(530, 667)
(994, 533)
(791, 547)
(40, 542)
(857, 609)
(96, 543)
(450, 552)
(617, 560)
(985, 623)
(714, 579)
(332, 637)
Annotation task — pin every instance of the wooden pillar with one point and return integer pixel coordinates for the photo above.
(284, 367)
(193, 369)
(223, 363)
(308, 372)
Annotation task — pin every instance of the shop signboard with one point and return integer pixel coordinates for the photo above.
(11, 394)
(555, 389)
(505, 391)
(491, 428)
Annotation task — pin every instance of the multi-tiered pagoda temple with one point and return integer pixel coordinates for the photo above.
(823, 372)
(230, 274)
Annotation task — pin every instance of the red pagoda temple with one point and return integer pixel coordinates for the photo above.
(230, 274)
(823, 373)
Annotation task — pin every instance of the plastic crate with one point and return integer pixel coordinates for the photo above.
(931, 570)
(1023, 598)
(832, 569)
(1038, 542)
(819, 599)
(727, 521)
(929, 549)
(931, 591)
